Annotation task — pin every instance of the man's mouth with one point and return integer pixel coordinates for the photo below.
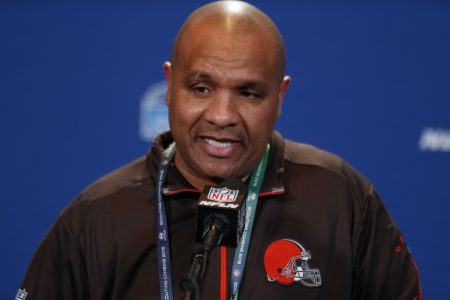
(219, 147)
(217, 144)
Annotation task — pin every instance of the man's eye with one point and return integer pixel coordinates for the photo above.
(248, 94)
(201, 90)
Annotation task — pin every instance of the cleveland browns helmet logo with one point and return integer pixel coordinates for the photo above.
(286, 262)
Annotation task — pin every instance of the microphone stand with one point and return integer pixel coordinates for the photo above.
(190, 284)
(218, 228)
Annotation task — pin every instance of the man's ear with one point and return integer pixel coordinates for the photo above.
(168, 73)
(283, 88)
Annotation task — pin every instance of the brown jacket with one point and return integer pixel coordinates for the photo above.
(102, 245)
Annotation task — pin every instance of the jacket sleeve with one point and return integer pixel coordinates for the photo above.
(384, 267)
(57, 269)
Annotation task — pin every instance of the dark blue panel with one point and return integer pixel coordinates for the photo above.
(371, 82)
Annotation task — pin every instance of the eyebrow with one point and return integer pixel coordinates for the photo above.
(253, 84)
(199, 75)
(245, 84)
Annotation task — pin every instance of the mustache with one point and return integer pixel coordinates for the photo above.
(228, 134)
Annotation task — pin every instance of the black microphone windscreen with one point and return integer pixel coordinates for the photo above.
(225, 202)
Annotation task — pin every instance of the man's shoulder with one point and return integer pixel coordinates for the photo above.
(104, 194)
(308, 155)
(131, 174)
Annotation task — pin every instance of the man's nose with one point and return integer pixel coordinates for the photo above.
(222, 110)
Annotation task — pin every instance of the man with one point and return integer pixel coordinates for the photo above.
(320, 230)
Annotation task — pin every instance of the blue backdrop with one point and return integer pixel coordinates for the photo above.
(371, 82)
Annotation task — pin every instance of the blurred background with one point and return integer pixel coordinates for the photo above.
(80, 82)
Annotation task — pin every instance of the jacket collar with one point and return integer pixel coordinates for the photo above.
(177, 184)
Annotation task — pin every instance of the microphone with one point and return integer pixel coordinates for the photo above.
(220, 221)
(221, 214)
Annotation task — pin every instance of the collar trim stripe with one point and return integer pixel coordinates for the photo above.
(272, 193)
(175, 192)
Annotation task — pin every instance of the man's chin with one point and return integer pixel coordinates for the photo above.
(216, 174)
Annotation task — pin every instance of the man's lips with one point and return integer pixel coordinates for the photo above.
(219, 147)
(217, 144)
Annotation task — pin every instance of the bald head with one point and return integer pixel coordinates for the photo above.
(225, 89)
(232, 20)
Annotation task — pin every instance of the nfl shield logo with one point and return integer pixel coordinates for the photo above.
(222, 194)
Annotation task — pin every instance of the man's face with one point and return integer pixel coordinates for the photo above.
(224, 97)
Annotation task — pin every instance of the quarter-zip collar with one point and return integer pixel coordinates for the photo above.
(177, 184)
